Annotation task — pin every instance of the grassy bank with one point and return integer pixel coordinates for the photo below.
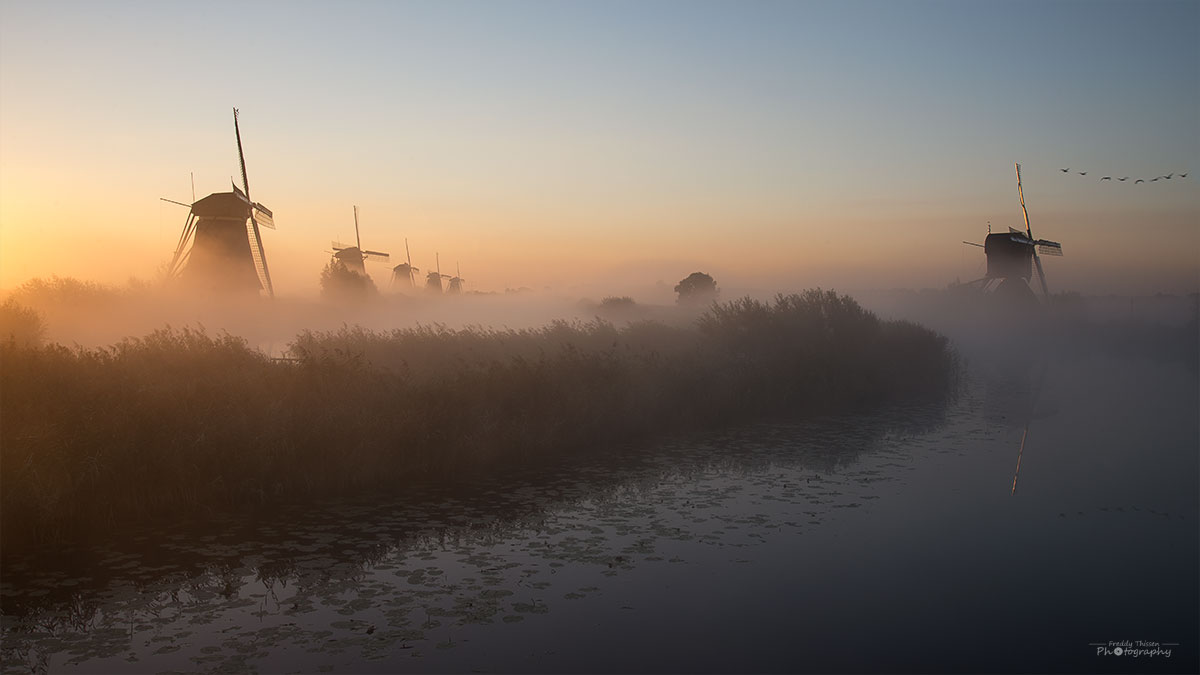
(181, 422)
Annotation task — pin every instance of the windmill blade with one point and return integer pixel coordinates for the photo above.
(181, 248)
(255, 237)
(260, 256)
(264, 216)
(971, 243)
(1045, 247)
(175, 202)
(1037, 261)
(241, 156)
(376, 256)
(339, 246)
(1021, 193)
(357, 238)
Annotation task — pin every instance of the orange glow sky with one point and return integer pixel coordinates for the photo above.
(602, 147)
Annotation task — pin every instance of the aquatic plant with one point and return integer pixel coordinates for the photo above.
(181, 422)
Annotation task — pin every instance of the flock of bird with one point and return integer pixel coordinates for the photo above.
(1125, 178)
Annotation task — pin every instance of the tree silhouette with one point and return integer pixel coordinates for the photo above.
(339, 282)
(697, 288)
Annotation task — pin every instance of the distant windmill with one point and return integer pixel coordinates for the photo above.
(221, 247)
(404, 274)
(456, 282)
(354, 256)
(433, 280)
(1013, 255)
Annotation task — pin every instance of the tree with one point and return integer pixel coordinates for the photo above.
(339, 282)
(697, 288)
(20, 325)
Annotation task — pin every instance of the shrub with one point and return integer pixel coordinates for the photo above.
(21, 325)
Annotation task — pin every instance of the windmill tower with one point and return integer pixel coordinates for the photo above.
(404, 275)
(455, 287)
(433, 280)
(1013, 256)
(221, 247)
(353, 257)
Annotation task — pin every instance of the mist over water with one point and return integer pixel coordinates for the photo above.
(1064, 466)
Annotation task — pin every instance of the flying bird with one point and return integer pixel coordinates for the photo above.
(1183, 175)
(1140, 180)
(1107, 178)
(1064, 170)
(1168, 176)
(1123, 179)
(1154, 179)
(1082, 173)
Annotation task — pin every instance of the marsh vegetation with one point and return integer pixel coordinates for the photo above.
(180, 421)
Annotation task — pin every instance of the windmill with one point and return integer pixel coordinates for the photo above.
(455, 287)
(1012, 257)
(353, 257)
(404, 274)
(433, 280)
(221, 247)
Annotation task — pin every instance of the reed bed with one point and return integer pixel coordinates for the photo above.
(180, 422)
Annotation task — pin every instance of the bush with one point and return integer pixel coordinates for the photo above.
(340, 283)
(21, 325)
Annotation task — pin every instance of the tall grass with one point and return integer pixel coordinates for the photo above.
(179, 421)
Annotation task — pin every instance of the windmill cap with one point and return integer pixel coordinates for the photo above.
(221, 205)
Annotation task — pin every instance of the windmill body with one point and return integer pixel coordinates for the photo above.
(220, 256)
(404, 275)
(352, 258)
(221, 248)
(433, 282)
(455, 286)
(1007, 258)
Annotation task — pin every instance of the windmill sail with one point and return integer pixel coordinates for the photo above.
(254, 236)
(1049, 247)
(264, 216)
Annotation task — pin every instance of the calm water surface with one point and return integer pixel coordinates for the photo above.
(884, 542)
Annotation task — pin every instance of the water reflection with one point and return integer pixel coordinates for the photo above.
(371, 581)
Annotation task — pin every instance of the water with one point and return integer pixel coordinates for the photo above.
(890, 541)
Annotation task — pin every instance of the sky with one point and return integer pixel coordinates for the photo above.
(607, 146)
